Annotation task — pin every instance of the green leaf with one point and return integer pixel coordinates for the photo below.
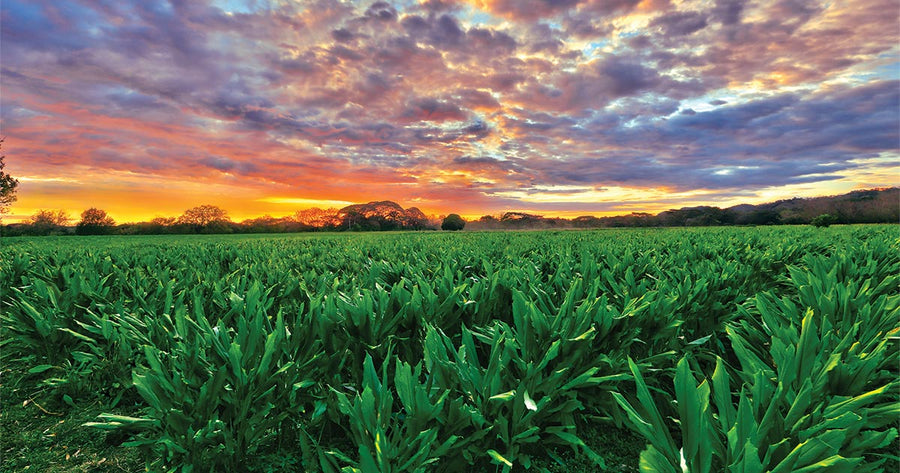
(499, 459)
(529, 403)
(40, 369)
(508, 395)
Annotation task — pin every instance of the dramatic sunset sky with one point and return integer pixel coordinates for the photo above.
(566, 107)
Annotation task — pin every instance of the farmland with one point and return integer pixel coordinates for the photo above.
(726, 349)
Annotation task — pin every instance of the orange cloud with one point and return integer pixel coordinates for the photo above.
(473, 107)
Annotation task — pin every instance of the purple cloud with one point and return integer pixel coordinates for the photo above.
(517, 94)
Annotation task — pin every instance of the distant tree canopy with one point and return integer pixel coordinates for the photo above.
(696, 216)
(866, 206)
(95, 222)
(269, 224)
(318, 218)
(823, 220)
(164, 221)
(453, 222)
(759, 217)
(50, 217)
(381, 216)
(203, 215)
(49, 222)
(206, 218)
(8, 186)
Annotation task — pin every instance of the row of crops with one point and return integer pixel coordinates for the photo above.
(740, 350)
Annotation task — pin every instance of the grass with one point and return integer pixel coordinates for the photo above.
(41, 433)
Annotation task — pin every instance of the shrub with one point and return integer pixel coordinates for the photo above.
(823, 220)
(453, 222)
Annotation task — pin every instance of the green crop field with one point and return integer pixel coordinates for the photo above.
(664, 350)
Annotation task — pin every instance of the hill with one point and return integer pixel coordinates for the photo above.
(863, 206)
(381, 215)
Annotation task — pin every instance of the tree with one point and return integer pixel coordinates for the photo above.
(205, 218)
(45, 222)
(587, 221)
(488, 222)
(453, 222)
(759, 217)
(823, 220)
(164, 221)
(50, 217)
(8, 186)
(318, 218)
(94, 222)
(414, 219)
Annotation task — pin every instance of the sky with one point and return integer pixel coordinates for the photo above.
(554, 107)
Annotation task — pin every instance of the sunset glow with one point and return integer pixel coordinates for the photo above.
(560, 108)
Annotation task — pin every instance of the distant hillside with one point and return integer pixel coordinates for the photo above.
(864, 206)
(383, 215)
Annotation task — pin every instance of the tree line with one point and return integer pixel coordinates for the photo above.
(209, 219)
(869, 206)
(864, 206)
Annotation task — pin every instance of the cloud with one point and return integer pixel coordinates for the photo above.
(728, 12)
(497, 101)
(680, 23)
(381, 11)
(626, 77)
(228, 165)
(429, 109)
(531, 10)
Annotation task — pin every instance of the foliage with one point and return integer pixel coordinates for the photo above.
(318, 218)
(94, 221)
(8, 186)
(453, 222)
(768, 349)
(868, 206)
(865, 206)
(380, 216)
(204, 218)
(48, 222)
(823, 220)
(50, 218)
(814, 388)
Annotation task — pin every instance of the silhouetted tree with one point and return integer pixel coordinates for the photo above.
(48, 222)
(159, 225)
(206, 218)
(269, 224)
(760, 217)
(8, 186)
(94, 222)
(203, 215)
(414, 219)
(586, 221)
(380, 216)
(453, 222)
(521, 220)
(318, 218)
(488, 222)
(164, 221)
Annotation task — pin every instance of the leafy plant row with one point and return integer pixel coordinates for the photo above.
(729, 350)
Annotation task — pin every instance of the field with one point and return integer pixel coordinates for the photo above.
(715, 349)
